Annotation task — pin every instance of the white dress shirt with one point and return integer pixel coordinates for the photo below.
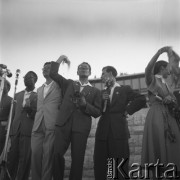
(83, 85)
(26, 96)
(112, 90)
(160, 77)
(46, 88)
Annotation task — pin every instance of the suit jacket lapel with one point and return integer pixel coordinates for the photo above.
(50, 89)
(31, 96)
(21, 98)
(41, 92)
(86, 91)
(116, 91)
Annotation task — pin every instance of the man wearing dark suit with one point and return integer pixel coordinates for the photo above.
(80, 102)
(177, 95)
(5, 106)
(19, 156)
(112, 134)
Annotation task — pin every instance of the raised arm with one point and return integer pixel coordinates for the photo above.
(149, 75)
(63, 59)
(60, 80)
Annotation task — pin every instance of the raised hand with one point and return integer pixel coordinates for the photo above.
(63, 59)
(165, 49)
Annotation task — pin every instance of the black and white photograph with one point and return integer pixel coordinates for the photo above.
(89, 89)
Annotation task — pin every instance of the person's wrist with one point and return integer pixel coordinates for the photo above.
(160, 51)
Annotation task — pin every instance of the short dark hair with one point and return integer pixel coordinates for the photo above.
(34, 74)
(87, 64)
(110, 69)
(159, 65)
(46, 63)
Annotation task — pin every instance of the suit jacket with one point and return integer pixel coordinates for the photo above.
(124, 99)
(48, 107)
(23, 119)
(177, 95)
(81, 117)
(5, 106)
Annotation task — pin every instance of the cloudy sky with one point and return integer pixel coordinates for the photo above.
(121, 33)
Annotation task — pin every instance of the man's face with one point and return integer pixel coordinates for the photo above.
(83, 70)
(105, 75)
(29, 80)
(46, 70)
(165, 72)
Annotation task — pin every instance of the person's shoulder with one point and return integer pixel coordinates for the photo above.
(96, 90)
(8, 98)
(40, 87)
(124, 87)
(34, 93)
(20, 92)
(70, 81)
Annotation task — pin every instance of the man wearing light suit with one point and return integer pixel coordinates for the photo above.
(48, 105)
(80, 102)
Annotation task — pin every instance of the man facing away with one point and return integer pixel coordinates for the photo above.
(80, 102)
(19, 156)
(42, 142)
(111, 140)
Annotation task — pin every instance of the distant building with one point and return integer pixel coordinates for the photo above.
(136, 81)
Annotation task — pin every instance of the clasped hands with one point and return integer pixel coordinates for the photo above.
(79, 100)
(105, 95)
(168, 99)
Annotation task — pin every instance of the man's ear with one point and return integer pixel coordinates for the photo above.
(111, 74)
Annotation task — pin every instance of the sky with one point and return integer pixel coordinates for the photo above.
(121, 33)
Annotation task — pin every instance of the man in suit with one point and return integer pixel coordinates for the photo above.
(42, 142)
(80, 102)
(5, 106)
(112, 134)
(19, 156)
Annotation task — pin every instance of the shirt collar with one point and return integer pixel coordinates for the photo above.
(160, 77)
(48, 84)
(116, 85)
(29, 92)
(87, 84)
